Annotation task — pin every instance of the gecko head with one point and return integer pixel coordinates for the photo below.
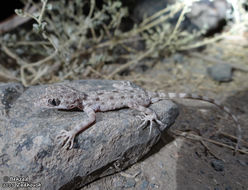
(60, 97)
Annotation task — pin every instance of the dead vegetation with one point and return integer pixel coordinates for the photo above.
(77, 39)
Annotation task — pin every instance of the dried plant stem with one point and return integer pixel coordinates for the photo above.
(112, 42)
(210, 151)
(39, 74)
(234, 138)
(132, 62)
(218, 61)
(33, 43)
(25, 65)
(199, 138)
(156, 22)
(202, 43)
(179, 21)
(156, 15)
(96, 72)
(44, 3)
(30, 65)
(14, 56)
(92, 7)
(8, 75)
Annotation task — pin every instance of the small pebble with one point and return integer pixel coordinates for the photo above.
(218, 165)
(242, 163)
(153, 186)
(228, 188)
(130, 183)
(118, 182)
(164, 172)
(178, 58)
(144, 185)
(220, 72)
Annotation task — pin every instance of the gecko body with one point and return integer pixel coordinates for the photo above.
(123, 95)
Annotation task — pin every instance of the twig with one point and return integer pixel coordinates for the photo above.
(215, 60)
(132, 62)
(15, 21)
(199, 138)
(202, 43)
(179, 21)
(92, 7)
(23, 67)
(6, 74)
(233, 138)
(154, 16)
(173, 10)
(14, 56)
(211, 152)
(44, 3)
(31, 43)
(96, 72)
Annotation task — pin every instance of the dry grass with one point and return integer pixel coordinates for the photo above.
(69, 43)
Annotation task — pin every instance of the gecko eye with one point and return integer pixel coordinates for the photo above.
(54, 102)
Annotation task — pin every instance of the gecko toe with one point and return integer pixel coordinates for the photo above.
(62, 134)
(67, 144)
(66, 139)
(159, 122)
(149, 118)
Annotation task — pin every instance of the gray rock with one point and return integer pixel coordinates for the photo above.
(130, 183)
(9, 93)
(146, 8)
(178, 58)
(118, 183)
(220, 72)
(218, 165)
(144, 185)
(28, 146)
(209, 14)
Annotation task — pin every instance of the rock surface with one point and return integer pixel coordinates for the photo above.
(29, 150)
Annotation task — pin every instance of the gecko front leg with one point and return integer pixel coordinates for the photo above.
(66, 138)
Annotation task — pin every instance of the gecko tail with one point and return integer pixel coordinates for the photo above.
(156, 96)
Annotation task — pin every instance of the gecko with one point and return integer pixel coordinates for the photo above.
(123, 95)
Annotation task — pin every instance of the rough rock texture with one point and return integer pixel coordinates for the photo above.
(28, 146)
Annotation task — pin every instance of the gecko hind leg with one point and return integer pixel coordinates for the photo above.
(148, 115)
(149, 118)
